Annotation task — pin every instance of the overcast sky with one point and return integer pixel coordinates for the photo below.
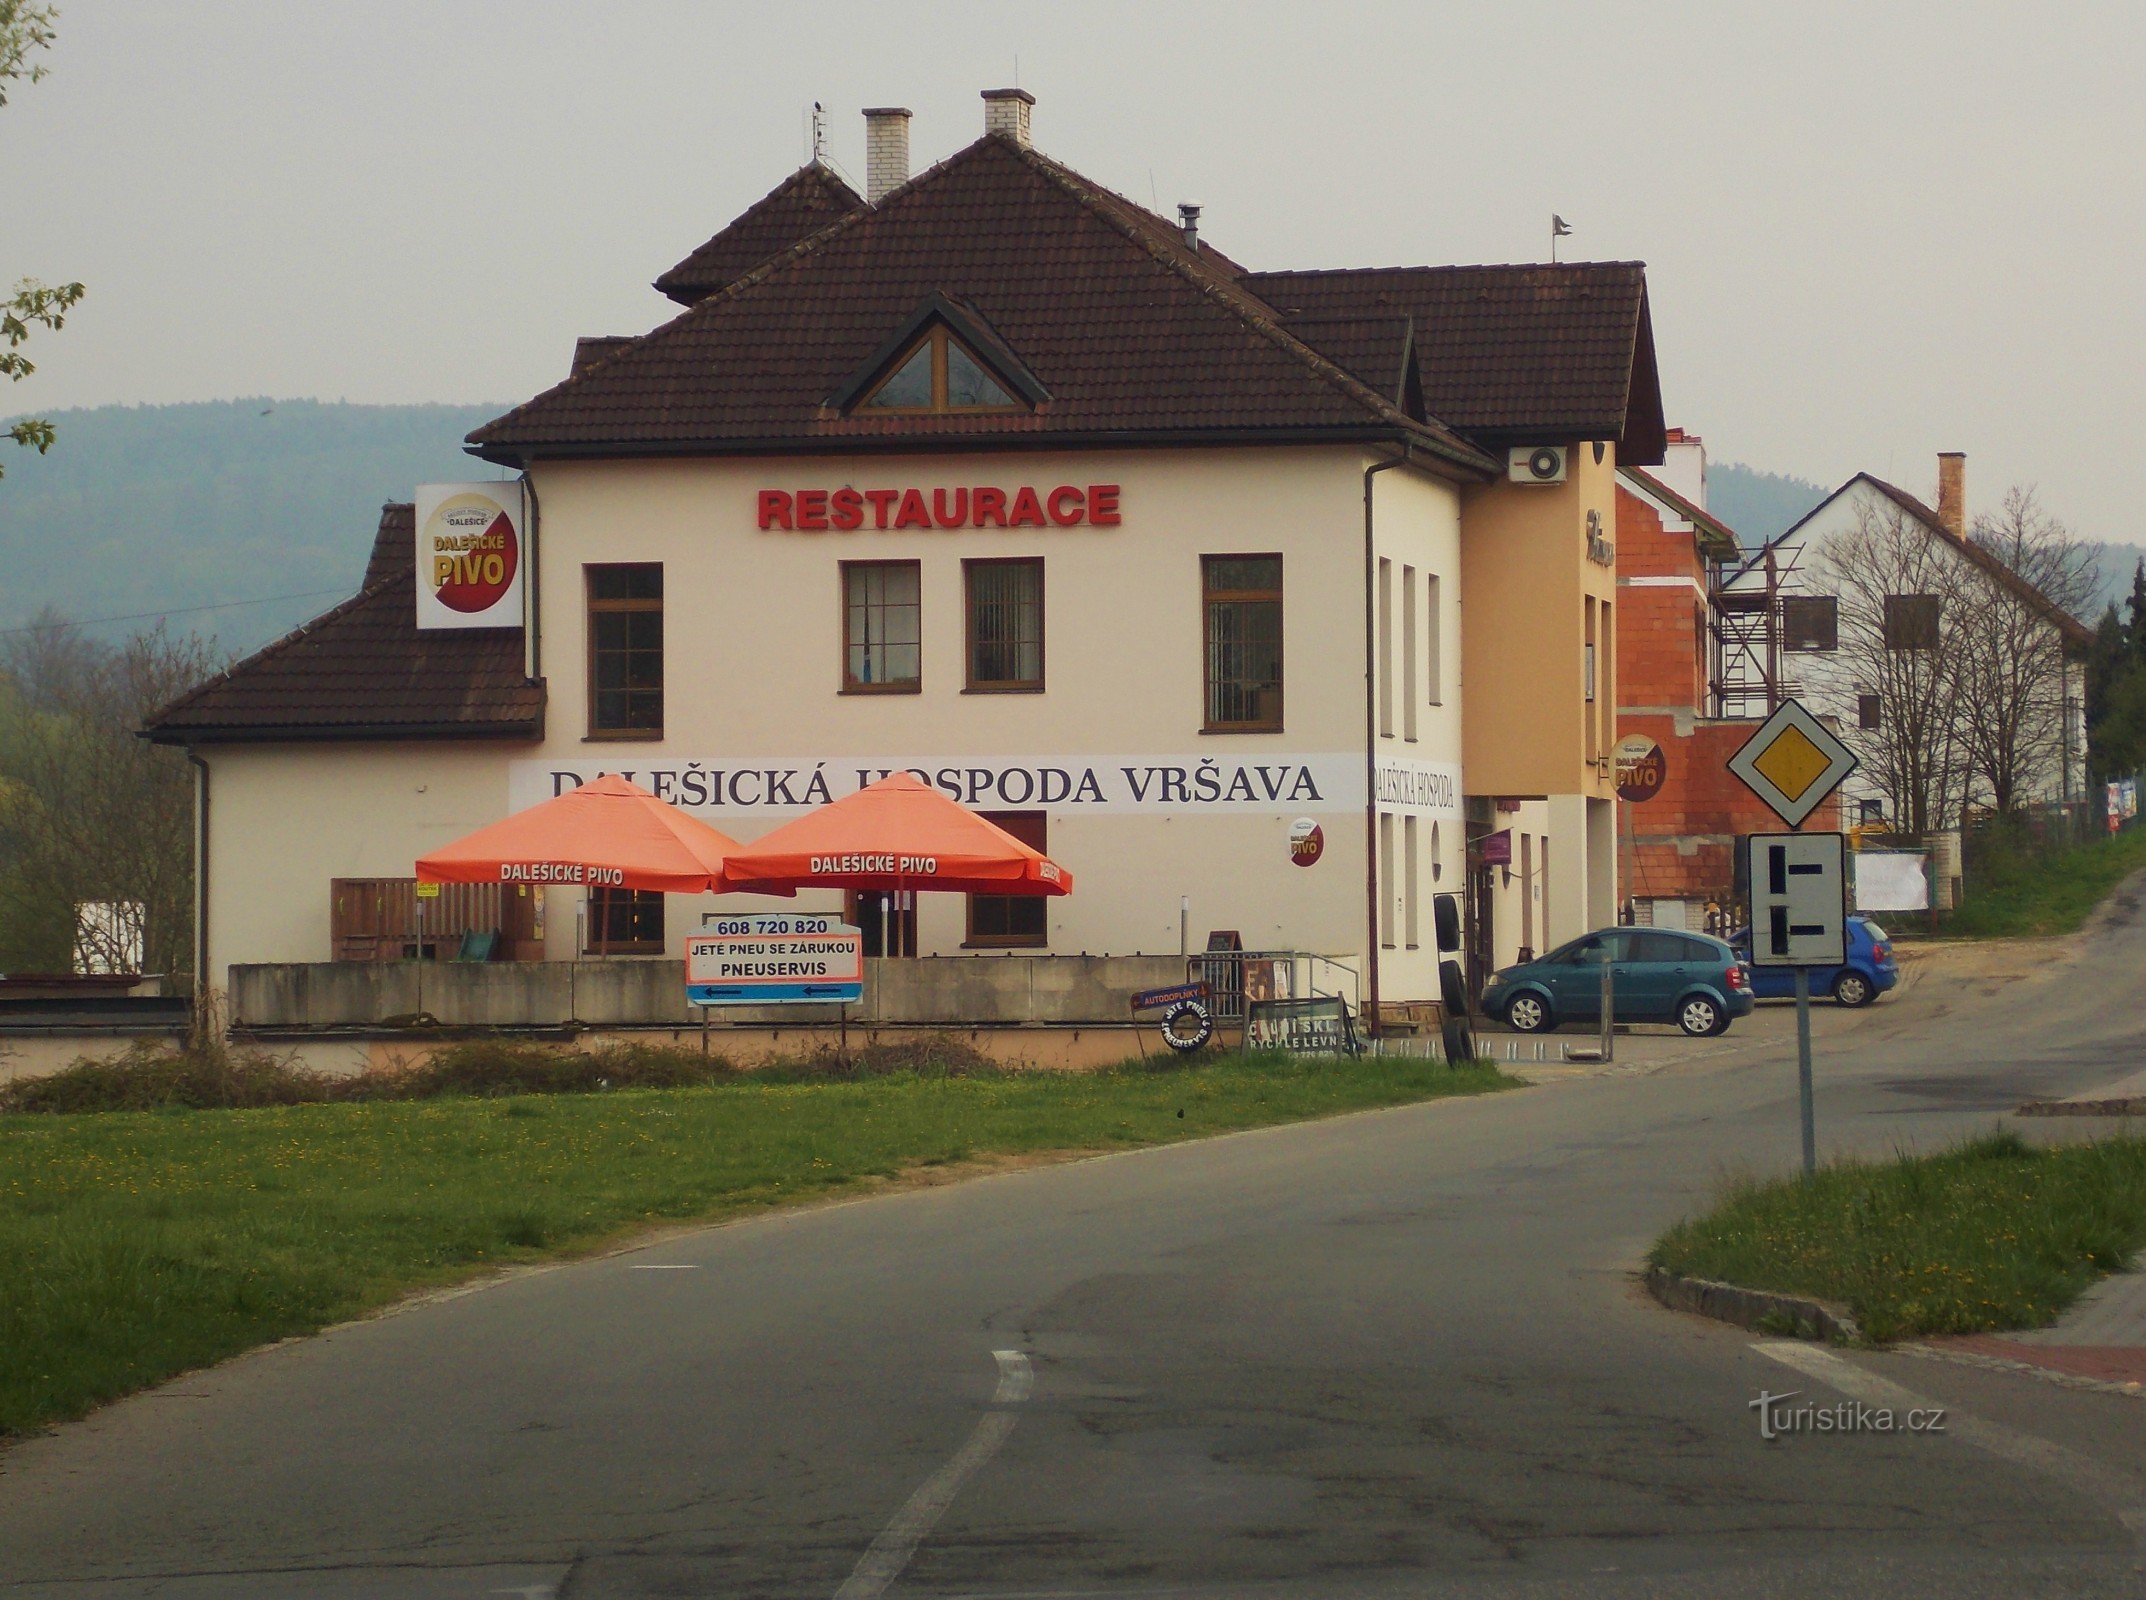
(1873, 231)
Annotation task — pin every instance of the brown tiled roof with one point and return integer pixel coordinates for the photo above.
(2076, 633)
(1378, 348)
(1135, 338)
(1509, 354)
(591, 348)
(365, 671)
(793, 211)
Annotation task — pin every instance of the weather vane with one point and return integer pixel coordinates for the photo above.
(1559, 227)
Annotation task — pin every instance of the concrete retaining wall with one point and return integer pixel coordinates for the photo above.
(951, 991)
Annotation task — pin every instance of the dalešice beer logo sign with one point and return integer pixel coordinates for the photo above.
(469, 555)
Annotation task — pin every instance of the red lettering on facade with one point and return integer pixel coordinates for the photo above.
(1068, 505)
(1027, 510)
(912, 513)
(990, 508)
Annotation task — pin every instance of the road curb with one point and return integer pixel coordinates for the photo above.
(2134, 1106)
(1760, 1310)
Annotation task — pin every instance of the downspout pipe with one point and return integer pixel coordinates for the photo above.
(535, 570)
(1372, 887)
(201, 895)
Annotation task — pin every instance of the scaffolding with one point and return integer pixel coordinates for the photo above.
(1745, 619)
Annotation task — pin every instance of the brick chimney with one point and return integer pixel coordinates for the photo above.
(1952, 492)
(1006, 111)
(886, 151)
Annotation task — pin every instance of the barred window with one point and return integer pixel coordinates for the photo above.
(1005, 624)
(881, 627)
(626, 651)
(1243, 635)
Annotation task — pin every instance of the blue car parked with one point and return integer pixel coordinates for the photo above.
(1694, 981)
(1868, 972)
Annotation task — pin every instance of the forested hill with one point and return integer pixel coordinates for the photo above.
(141, 509)
(1758, 505)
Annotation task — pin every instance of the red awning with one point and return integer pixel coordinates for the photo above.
(896, 834)
(607, 834)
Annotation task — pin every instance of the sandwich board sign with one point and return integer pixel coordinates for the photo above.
(1799, 899)
(780, 958)
(1793, 762)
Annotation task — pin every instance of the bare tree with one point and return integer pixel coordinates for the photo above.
(90, 812)
(2015, 686)
(1898, 594)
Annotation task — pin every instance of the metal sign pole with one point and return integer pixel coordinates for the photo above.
(1609, 1009)
(1803, 1069)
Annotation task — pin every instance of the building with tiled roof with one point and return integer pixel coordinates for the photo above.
(1868, 654)
(992, 473)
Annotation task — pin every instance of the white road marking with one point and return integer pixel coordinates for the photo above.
(664, 1266)
(898, 1541)
(2116, 1491)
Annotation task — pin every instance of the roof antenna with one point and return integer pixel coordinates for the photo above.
(819, 134)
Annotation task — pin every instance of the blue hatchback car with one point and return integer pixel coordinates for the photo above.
(1656, 975)
(1868, 972)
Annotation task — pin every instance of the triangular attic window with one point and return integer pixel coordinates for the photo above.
(939, 374)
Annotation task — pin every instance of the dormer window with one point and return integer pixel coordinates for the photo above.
(944, 360)
(939, 374)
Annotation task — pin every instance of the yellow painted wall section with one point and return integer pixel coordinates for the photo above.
(1525, 582)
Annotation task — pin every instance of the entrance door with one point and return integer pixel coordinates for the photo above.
(887, 931)
(1482, 934)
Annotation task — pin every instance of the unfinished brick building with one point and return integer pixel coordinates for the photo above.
(1677, 849)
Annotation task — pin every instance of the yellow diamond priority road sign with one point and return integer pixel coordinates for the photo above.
(1793, 762)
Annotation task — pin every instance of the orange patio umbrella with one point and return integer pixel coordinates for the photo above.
(607, 834)
(898, 834)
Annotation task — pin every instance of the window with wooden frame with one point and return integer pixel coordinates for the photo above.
(625, 650)
(1911, 622)
(938, 374)
(1241, 597)
(1013, 921)
(623, 922)
(1810, 622)
(1004, 643)
(882, 627)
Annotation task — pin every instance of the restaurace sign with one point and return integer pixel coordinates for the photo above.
(1098, 785)
(844, 510)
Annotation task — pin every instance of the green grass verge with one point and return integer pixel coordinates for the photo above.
(1989, 1235)
(2015, 893)
(137, 1245)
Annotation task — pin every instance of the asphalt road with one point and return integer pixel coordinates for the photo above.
(1391, 1354)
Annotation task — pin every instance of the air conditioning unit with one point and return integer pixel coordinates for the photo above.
(1542, 463)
